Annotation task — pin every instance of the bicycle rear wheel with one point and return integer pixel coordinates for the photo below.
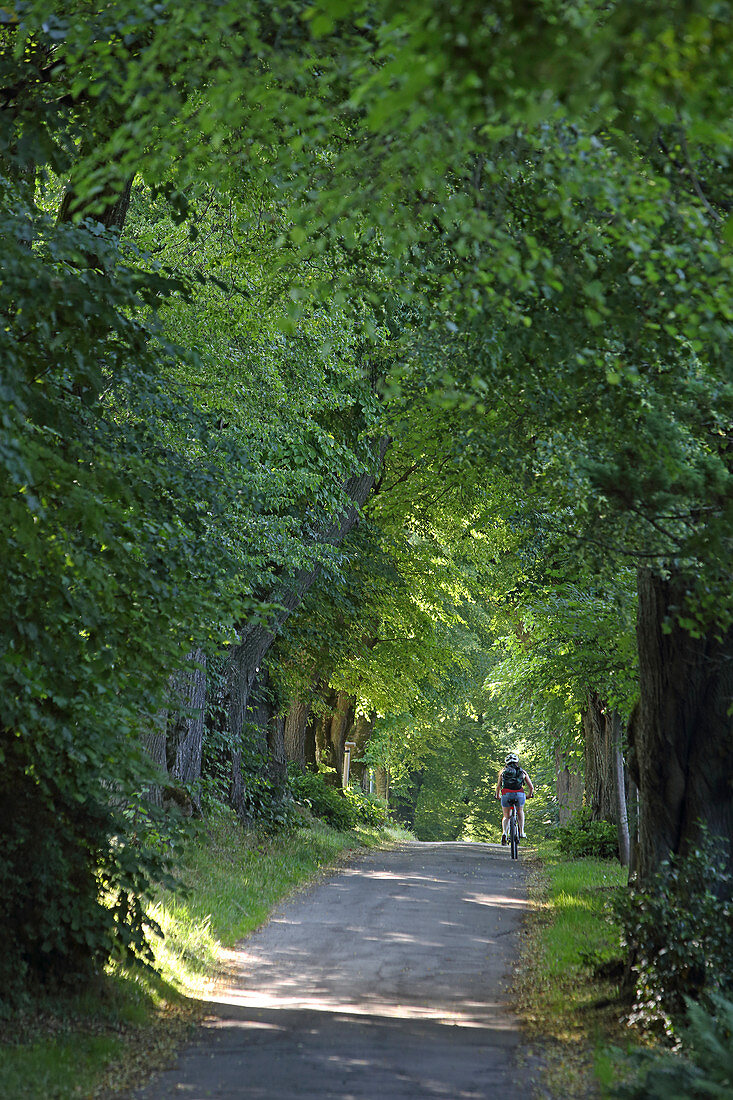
(514, 834)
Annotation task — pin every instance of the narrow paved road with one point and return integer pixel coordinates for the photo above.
(387, 981)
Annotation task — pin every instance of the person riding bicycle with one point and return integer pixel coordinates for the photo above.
(509, 784)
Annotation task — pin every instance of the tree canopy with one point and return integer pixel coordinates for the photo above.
(369, 364)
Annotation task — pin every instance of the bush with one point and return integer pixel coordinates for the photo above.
(679, 934)
(584, 837)
(702, 1067)
(370, 809)
(328, 803)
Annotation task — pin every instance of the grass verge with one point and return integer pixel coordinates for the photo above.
(106, 1041)
(570, 1014)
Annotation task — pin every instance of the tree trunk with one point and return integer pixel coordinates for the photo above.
(633, 804)
(250, 749)
(154, 742)
(296, 722)
(320, 727)
(277, 761)
(309, 747)
(615, 732)
(683, 732)
(599, 770)
(569, 788)
(405, 807)
(360, 735)
(114, 214)
(256, 639)
(186, 730)
(342, 721)
(380, 783)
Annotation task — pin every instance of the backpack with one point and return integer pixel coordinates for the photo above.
(512, 778)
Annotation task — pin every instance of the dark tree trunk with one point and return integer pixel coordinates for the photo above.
(186, 725)
(599, 769)
(155, 743)
(114, 214)
(309, 746)
(277, 761)
(615, 732)
(683, 731)
(569, 787)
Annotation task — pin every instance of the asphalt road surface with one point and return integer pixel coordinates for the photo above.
(391, 980)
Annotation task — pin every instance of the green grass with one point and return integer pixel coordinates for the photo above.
(109, 1038)
(64, 1046)
(566, 1008)
(234, 879)
(572, 931)
(53, 1069)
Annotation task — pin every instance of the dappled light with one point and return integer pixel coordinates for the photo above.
(396, 967)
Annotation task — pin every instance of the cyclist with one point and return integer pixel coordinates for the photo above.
(509, 784)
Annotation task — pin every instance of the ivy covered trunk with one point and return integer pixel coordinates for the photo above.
(250, 753)
(682, 734)
(154, 741)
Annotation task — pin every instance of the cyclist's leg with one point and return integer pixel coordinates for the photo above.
(505, 812)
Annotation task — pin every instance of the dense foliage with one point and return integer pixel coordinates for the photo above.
(341, 809)
(583, 836)
(354, 359)
(107, 503)
(679, 935)
(703, 1067)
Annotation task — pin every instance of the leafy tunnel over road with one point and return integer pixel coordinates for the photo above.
(388, 979)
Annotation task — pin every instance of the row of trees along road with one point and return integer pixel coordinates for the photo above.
(361, 364)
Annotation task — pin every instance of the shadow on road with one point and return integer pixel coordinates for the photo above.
(389, 981)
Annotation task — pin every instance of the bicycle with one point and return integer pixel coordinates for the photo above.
(514, 832)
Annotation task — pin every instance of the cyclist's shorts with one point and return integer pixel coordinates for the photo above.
(516, 798)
